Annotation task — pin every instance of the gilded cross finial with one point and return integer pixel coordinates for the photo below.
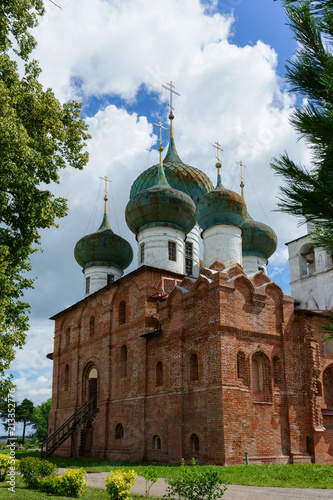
(159, 124)
(241, 164)
(170, 88)
(105, 178)
(217, 145)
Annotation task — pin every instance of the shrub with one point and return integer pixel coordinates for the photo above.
(33, 469)
(119, 484)
(49, 484)
(72, 483)
(193, 483)
(151, 475)
(6, 463)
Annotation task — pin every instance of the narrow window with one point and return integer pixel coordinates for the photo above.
(119, 434)
(189, 259)
(122, 312)
(92, 326)
(194, 442)
(172, 250)
(110, 278)
(308, 444)
(68, 337)
(66, 379)
(240, 365)
(277, 370)
(123, 361)
(87, 286)
(194, 372)
(142, 253)
(159, 373)
(156, 443)
(256, 382)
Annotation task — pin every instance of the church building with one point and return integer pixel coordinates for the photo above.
(186, 358)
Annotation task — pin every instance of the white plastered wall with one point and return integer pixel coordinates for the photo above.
(222, 243)
(311, 282)
(99, 277)
(252, 264)
(156, 248)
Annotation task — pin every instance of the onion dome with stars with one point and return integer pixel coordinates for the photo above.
(103, 247)
(160, 204)
(220, 206)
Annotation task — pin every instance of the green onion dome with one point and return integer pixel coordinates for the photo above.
(258, 238)
(189, 180)
(160, 205)
(103, 248)
(220, 206)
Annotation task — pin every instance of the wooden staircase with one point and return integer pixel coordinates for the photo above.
(67, 429)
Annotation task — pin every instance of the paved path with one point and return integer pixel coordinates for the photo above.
(234, 492)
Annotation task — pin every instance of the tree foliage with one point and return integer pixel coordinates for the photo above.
(38, 137)
(40, 418)
(307, 192)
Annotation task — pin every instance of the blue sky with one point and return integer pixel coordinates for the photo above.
(227, 60)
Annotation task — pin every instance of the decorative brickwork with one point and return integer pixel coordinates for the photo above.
(182, 367)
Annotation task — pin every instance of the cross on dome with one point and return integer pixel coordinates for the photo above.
(105, 178)
(241, 164)
(170, 89)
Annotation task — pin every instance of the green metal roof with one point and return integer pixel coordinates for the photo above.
(220, 206)
(103, 248)
(189, 180)
(258, 238)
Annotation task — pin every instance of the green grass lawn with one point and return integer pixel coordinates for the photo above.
(287, 476)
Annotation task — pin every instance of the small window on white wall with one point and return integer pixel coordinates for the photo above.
(87, 285)
(142, 253)
(172, 250)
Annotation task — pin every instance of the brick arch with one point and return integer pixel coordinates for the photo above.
(235, 270)
(261, 383)
(246, 288)
(273, 291)
(201, 285)
(86, 390)
(175, 297)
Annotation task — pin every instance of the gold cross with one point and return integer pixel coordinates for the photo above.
(159, 124)
(241, 164)
(170, 89)
(105, 178)
(217, 145)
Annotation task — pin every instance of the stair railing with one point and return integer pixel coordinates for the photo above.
(68, 427)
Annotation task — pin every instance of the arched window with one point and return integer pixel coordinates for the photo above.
(156, 442)
(123, 361)
(307, 261)
(194, 443)
(194, 371)
(159, 373)
(277, 370)
(122, 312)
(240, 365)
(92, 326)
(92, 377)
(66, 378)
(119, 434)
(68, 337)
(261, 382)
